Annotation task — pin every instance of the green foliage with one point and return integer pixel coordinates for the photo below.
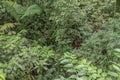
(117, 6)
(32, 63)
(59, 40)
(32, 10)
(14, 9)
(6, 26)
(2, 75)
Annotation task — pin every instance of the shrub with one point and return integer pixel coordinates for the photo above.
(59, 40)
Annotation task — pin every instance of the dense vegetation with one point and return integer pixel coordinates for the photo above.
(59, 40)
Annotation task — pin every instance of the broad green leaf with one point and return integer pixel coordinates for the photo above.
(71, 70)
(73, 76)
(113, 74)
(68, 65)
(104, 74)
(99, 70)
(118, 50)
(117, 54)
(64, 61)
(116, 67)
(2, 77)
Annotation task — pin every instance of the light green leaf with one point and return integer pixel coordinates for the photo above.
(64, 61)
(73, 76)
(113, 74)
(104, 74)
(118, 50)
(116, 67)
(32, 10)
(71, 70)
(68, 65)
(99, 70)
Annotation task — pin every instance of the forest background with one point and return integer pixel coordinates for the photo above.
(59, 40)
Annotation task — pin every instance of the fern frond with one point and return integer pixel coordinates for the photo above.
(7, 26)
(14, 9)
(32, 10)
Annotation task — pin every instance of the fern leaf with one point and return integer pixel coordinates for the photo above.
(14, 9)
(7, 26)
(32, 10)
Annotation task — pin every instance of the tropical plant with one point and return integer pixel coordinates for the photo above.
(59, 40)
